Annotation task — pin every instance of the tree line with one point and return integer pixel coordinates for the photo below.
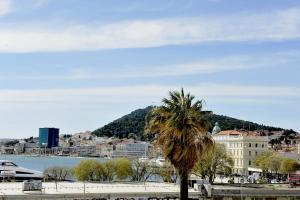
(273, 164)
(214, 162)
(121, 169)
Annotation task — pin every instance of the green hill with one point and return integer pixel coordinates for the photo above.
(133, 125)
(122, 127)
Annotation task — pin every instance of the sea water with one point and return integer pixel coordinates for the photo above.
(40, 163)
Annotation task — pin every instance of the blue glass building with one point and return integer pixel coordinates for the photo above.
(49, 136)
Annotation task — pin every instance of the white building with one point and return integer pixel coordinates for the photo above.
(20, 147)
(31, 148)
(243, 146)
(129, 148)
(89, 150)
(104, 150)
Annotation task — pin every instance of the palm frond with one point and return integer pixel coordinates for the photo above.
(182, 127)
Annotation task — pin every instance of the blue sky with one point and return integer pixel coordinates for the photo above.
(79, 64)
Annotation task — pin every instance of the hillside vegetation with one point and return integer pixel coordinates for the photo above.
(133, 125)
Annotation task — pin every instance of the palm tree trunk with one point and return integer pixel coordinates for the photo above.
(184, 192)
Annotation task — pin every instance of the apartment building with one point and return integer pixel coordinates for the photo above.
(131, 148)
(88, 150)
(104, 150)
(243, 146)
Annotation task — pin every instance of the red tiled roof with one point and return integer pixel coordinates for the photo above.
(239, 132)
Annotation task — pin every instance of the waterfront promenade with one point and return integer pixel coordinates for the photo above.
(80, 190)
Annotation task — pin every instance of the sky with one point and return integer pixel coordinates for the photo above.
(79, 64)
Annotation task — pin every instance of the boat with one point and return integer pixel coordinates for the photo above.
(10, 170)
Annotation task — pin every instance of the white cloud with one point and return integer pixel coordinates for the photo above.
(215, 65)
(39, 3)
(205, 66)
(5, 7)
(274, 26)
(145, 93)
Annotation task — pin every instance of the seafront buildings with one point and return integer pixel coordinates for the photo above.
(97, 147)
(48, 137)
(243, 146)
(131, 148)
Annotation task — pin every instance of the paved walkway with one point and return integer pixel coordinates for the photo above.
(80, 190)
(265, 190)
(66, 190)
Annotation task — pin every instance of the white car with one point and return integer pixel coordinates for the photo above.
(274, 181)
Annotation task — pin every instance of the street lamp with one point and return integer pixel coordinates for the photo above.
(242, 182)
(45, 145)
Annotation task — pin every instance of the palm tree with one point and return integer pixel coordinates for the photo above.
(181, 127)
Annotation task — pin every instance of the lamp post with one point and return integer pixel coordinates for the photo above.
(242, 182)
(45, 145)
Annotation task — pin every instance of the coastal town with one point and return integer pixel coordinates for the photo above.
(80, 144)
(149, 100)
(241, 145)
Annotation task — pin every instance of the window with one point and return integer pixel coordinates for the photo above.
(256, 198)
(20, 172)
(250, 162)
(256, 145)
(9, 164)
(263, 146)
(249, 153)
(249, 144)
(256, 153)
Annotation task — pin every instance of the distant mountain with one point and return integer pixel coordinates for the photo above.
(133, 125)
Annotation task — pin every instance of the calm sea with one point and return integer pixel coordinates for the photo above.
(40, 163)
